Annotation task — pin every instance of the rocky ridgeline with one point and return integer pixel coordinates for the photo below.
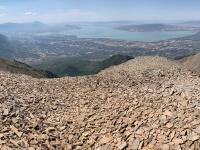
(148, 103)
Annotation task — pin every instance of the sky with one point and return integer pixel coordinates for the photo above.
(60, 11)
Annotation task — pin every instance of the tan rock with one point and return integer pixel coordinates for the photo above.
(169, 125)
(134, 143)
(70, 137)
(15, 130)
(1, 135)
(4, 147)
(163, 119)
(105, 139)
(6, 112)
(104, 147)
(67, 146)
(172, 134)
(177, 147)
(177, 141)
(62, 128)
(14, 143)
(165, 147)
(168, 113)
(122, 145)
(194, 136)
(86, 133)
(197, 130)
(195, 122)
(49, 129)
(172, 91)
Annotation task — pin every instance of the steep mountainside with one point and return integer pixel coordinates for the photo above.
(5, 48)
(11, 49)
(21, 68)
(148, 103)
(79, 67)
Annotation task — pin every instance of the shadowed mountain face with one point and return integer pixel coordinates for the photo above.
(79, 67)
(9, 49)
(5, 48)
(139, 104)
(21, 68)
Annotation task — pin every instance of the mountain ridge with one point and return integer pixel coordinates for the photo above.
(192, 62)
(17, 67)
(28, 26)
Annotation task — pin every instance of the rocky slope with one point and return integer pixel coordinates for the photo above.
(192, 62)
(148, 103)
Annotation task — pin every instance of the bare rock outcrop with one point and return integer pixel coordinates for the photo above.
(146, 103)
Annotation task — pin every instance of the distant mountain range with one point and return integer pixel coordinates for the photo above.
(155, 28)
(32, 26)
(192, 23)
(21, 68)
(79, 67)
(71, 27)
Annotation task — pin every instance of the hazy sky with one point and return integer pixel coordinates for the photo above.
(55, 11)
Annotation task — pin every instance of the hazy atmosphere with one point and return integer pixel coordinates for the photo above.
(99, 74)
(59, 11)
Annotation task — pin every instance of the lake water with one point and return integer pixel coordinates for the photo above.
(109, 32)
